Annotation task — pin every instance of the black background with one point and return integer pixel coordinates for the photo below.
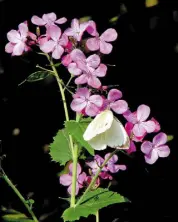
(146, 71)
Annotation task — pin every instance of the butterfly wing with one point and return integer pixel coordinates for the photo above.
(117, 136)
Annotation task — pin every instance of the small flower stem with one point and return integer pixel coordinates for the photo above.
(8, 181)
(71, 77)
(97, 216)
(95, 177)
(44, 69)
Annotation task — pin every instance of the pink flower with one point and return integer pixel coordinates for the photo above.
(89, 179)
(56, 43)
(66, 60)
(158, 127)
(95, 166)
(76, 29)
(155, 149)
(141, 127)
(111, 166)
(114, 102)
(128, 128)
(47, 20)
(66, 179)
(84, 103)
(88, 68)
(91, 29)
(17, 40)
(102, 43)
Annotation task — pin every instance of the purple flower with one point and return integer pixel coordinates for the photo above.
(17, 40)
(47, 20)
(138, 118)
(115, 103)
(76, 29)
(102, 43)
(66, 179)
(84, 103)
(111, 166)
(56, 43)
(155, 149)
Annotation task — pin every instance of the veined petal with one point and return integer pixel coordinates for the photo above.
(105, 47)
(61, 20)
(143, 112)
(48, 46)
(37, 20)
(160, 139)
(78, 104)
(109, 35)
(114, 94)
(65, 179)
(93, 44)
(146, 147)
(13, 36)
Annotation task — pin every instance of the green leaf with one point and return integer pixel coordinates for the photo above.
(92, 202)
(37, 76)
(16, 217)
(170, 137)
(77, 129)
(60, 149)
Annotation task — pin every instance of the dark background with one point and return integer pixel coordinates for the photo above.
(146, 60)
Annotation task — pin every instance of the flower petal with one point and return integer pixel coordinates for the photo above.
(65, 179)
(160, 139)
(81, 79)
(114, 168)
(9, 47)
(82, 93)
(128, 127)
(139, 130)
(152, 157)
(19, 48)
(93, 61)
(13, 36)
(130, 117)
(113, 159)
(119, 106)
(81, 178)
(91, 109)
(149, 126)
(75, 24)
(37, 20)
(73, 69)
(61, 20)
(93, 44)
(100, 71)
(97, 100)
(58, 51)
(158, 127)
(69, 32)
(23, 28)
(78, 104)
(66, 60)
(49, 17)
(163, 151)
(132, 147)
(91, 29)
(54, 32)
(114, 94)
(109, 35)
(63, 40)
(143, 112)
(94, 82)
(70, 189)
(146, 147)
(77, 55)
(48, 46)
(105, 47)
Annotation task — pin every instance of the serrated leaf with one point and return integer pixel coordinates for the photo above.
(92, 202)
(170, 137)
(60, 149)
(77, 129)
(38, 76)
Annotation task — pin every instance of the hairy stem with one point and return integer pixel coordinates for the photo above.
(8, 181)
(95, 177)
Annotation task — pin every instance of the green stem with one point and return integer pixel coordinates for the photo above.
(95, 177)
(8, 181)
(71, 77)
(74, 149)
(97, 216)
(74, 176)
(44, 69)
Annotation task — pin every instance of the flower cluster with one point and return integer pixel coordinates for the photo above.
(79, 48)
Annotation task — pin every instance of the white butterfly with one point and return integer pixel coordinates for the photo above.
(106, 130)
